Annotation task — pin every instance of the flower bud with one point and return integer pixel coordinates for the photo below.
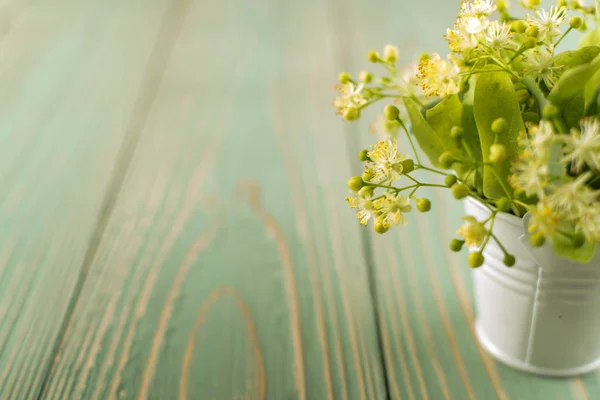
(423, 205)
(531, 4)
(497, 153)
(446, 160)
(424, 57)
(407, 166)
(537, 239)
(518, 26)
(464, 87)
(366, 191)
(456, 244)
(578, 239)
(365, 76)
(355, 183)
(475, 259)
(364, 155)
(532, 31)
(503, 204)
(576, 22)
(351, 114)
(379, 226)
(391, 112)
(373, 56)
(450, 180)
(344, 77)
(550, 111)
(523, 96)
(390, 53)
(509, 260)
(460, 191)
(531, 116)
(529, 43)
(456, 132)
(502, 6)
(499, 126)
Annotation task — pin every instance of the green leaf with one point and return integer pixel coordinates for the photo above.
(573, 58)
(573, 111)
(592, 38)
(427, 138)
(470, 134)
(494, 98)
(572, 83)
(445, 115)
(564, 248)
(591, 92)
(568, 93)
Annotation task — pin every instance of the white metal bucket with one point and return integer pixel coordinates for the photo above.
(541, 319)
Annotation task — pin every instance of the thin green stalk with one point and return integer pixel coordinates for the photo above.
(419, 166)
(412, 145)
(506, 253)
(507, 192)
(536, 92)
(563, 35)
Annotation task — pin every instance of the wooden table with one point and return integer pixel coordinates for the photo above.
(172, 222)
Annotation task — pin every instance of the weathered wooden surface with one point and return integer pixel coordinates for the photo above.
(226, 269)
(172, 222)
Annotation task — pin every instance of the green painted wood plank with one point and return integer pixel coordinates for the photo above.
(61, 127)
(424, 290)
(226, 269)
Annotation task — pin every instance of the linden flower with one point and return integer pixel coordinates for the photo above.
(479, 8)
(472, 25)
(530, 176)
(383, 129)
(543, 219)
(548, 22)
(499, 35)
(438, 77)
(472, 231)
(351, 97)
(589, 223)
(391, 208)
(408, 82)
(540, 138)
(386, 161)
(531, 172)
(459, 40)
(540, 65)
(583, 147)
(573, 198)
(364, 204)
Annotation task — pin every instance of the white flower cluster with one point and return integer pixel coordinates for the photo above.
(565, 198)
(386, 164)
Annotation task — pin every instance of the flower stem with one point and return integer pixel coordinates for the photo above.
(564, 34)
(419, 166)
(412, 145)
(536, 92)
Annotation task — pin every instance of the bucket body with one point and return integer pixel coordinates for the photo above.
(543, 314)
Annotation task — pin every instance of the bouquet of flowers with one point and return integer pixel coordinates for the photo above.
(505, 119)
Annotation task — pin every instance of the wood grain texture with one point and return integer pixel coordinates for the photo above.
(172, 223)
(225, 269)
(61, 129)
(425, 298)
